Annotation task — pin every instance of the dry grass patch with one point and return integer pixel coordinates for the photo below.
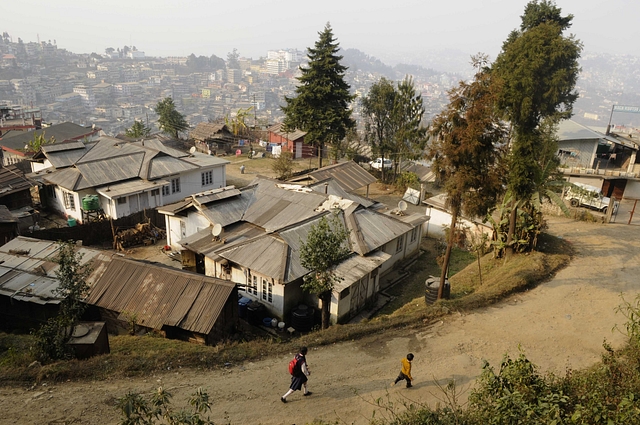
(131, 355)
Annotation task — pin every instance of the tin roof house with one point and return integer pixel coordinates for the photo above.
(177, 303)
(125, 177)
(252, 237)
(606, 160)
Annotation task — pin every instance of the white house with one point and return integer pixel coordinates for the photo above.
(440, 219)
(252, 236)
(126, 177)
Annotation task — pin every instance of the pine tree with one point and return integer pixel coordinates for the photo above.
(321, 104)
(170, 120)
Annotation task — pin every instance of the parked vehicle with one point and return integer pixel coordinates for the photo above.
(584, 195)
(377, 164)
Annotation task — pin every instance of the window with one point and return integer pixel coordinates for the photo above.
(50, 191)
(253, 288)
(414, 235)
(69, 201)
(155, 192)
(345, 293)
(207, 178)
(165, 190)
(400, 243)
(122, 200)
(175, 185)
(267, 290)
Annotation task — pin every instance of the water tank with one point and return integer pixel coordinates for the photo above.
(91, 203)
(432, 284)
(255, 313)
(302, 318)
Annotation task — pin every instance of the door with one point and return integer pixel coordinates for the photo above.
(298, 149)
(144, 200)
(133, 204)
(359, 295)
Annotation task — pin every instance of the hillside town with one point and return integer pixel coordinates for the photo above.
(167, 221)
(114, 89)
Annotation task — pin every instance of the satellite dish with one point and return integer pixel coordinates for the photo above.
(402, 206)
(217, 229)
(192, 150)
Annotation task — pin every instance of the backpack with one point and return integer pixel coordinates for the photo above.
(295, 365)
(292, 365)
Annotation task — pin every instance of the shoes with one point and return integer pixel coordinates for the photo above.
(409, 386)
(393, 383)
(307, 393)
(282, 399)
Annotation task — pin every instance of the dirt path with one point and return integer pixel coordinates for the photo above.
(560, 324)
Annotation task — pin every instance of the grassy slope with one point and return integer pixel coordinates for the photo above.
(141, 355)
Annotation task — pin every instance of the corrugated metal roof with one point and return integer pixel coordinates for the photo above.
(265, 254)
(110, 161)
(13, 180)
(66, 146)
(160, 147)
(333, 188)
(378, 229)
(211, 131)
(215, 195)
(202, 160)
(356, 267)
(107, 171)
(226, 212)
(60, 132)
(291, 135)
(571, 130)
(273, 208)
(160, 296)
(129, 188)
(31, 277)
(66, 178)
(163, 166)
(66, 158)
(349, 175)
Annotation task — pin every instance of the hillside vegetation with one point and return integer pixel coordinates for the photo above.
(138, 355)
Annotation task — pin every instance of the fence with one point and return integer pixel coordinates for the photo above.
(99, 232)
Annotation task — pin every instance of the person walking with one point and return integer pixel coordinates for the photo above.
(405, 372)
(299, 375)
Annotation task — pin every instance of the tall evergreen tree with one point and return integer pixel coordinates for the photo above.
(170, 120)
(410, 136)
(321, 104)
(465, 140)
(538, 68)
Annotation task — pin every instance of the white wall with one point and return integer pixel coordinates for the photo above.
(243, 276)
(441, 219)
(133, 204)
(192, 224)
(191, 182)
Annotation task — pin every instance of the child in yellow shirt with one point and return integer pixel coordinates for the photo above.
(405, 372)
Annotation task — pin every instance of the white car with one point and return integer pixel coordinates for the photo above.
(584, 195)
(377, 164)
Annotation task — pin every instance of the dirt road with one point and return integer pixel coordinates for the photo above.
(559, 324)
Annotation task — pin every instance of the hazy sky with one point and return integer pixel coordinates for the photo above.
(377, 27)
